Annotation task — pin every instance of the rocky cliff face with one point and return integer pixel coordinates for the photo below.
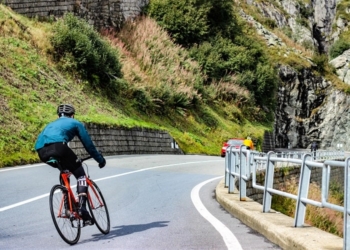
(309, 107)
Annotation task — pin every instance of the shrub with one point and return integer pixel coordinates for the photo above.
(338, 48)
(271, 23)
(245, 59)
(77, 45)
(142, 101)
(185, 20)
(320, 61)
(222, 57)
(194, 21)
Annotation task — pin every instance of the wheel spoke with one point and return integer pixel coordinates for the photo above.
(98, 208)
(67, 229)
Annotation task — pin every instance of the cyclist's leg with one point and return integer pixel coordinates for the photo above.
(82, 193)
(82, 188)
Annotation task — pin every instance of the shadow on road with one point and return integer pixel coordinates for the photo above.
(122, 230)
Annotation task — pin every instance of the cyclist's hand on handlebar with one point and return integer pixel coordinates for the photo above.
(101, 165)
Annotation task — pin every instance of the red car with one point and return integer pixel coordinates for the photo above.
(236, 142)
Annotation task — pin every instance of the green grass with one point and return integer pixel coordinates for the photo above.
(32, 85)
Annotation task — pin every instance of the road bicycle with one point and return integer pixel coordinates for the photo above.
(64, 206)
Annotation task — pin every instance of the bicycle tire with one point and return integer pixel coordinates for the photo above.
(67, 229)
(98, 208)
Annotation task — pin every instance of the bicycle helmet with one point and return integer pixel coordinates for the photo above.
(66, 109)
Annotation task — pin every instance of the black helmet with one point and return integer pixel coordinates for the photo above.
(66, 109)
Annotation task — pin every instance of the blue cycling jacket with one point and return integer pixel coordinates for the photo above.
(64, 129)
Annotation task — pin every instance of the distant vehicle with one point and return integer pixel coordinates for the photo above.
(236, 142)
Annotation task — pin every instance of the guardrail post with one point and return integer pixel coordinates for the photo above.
(227, 165)
(242, 172)
(304, 184)
(267, 199)
(231, 184)
(346, 233)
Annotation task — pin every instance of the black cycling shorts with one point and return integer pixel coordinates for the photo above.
(65, 155)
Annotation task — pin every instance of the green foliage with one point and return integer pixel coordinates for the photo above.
(288, 32)
(142, 101)
(185, 20)
(337, 191)
(306, 10)
(320, 61)
(77, 46)
(271, 23)
(339, 47)
(206, 116)
(210, 31)
(302, 21)
(166, 92)
(223, 57)
(222, 20)
(191, 22)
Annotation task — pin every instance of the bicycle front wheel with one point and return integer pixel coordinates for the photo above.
(98, 208)
(68, 229)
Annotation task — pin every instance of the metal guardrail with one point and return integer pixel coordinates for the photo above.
(245, 164)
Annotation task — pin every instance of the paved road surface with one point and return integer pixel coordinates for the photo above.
(155, 202)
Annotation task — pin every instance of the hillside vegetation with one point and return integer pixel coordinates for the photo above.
(155, 83)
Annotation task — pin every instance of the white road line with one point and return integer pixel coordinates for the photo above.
(22, 167)
(101, 179)
(229, 238)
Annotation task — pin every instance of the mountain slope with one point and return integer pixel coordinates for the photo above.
(31, 87)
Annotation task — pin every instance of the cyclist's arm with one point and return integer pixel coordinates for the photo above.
(88, 144)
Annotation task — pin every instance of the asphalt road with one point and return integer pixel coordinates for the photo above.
(155, 202)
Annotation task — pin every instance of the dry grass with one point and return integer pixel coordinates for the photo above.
(325, 219)
(291, 44)
(155, 54)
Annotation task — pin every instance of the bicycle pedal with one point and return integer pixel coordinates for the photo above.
(72, 218)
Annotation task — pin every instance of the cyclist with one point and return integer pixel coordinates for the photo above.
(53, 142)
(248, 143)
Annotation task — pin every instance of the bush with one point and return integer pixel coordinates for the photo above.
(77, 45)
(320, 61)
(271, 23)
(246, 60)
(338, 48)
(185, 20)
(222, 57)
(191, 22)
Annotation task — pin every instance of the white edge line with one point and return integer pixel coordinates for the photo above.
(229, 238)
(2, 209)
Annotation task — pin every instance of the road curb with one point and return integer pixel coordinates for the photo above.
(276, 227)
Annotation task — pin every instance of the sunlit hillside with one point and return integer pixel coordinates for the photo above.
(33, 83)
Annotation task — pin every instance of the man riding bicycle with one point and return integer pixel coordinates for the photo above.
(53, 142)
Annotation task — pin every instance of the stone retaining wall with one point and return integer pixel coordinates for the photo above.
(99, 13)
(116, 141)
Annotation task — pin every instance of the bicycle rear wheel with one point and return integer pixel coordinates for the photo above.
(98, 208)
(69, 230)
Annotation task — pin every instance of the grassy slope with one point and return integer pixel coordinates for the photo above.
(31, 86)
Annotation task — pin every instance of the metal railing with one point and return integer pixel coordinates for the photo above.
(244, 165)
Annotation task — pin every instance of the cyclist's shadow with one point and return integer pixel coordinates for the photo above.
(122, 230)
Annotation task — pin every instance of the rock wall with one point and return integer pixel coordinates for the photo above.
(311, 109)
(100, 13)
(116, 141)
